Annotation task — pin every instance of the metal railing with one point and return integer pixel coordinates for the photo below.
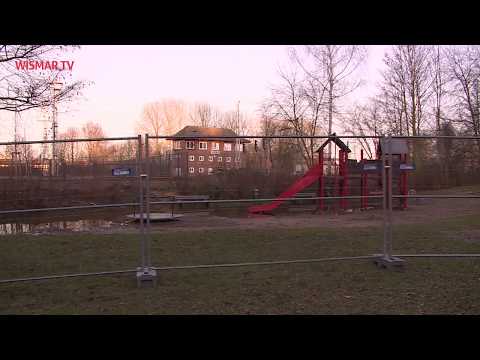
(144, 204)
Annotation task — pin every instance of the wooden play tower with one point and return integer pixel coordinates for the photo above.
(334, 170)
(340, 172)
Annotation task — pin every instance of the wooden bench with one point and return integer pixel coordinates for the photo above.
(192, 198)
(305, 195)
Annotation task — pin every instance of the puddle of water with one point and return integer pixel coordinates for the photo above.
(57, 226)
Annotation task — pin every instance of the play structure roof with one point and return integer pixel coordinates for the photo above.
(337, 142)
(399, 147)
(197, 132)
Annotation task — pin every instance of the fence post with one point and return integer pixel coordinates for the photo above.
(145, 275)
(386, 260)
(147, 201)
(390, 197)
(385, 195)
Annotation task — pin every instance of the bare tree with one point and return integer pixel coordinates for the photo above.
(464, 66)
(290, 106)
(94, 149)
(268, 127)
(21, 89)
(124, 151)
(205, 115)
(365, 120)
(407, 87)
(439, 84)
(162, 118)
(69, 151)
(235, 121)
(331, 68)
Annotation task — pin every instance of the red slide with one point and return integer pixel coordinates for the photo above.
(308, 179)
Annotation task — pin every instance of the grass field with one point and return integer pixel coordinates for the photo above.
(427, 286)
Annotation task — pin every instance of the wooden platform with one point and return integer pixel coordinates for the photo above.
(154, 217)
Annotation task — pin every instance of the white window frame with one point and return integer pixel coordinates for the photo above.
(190, 145)
(200, 170)
(191, 157)
(191, 170)
(239, 147)
(201, 158)
(210, 158)
(227, 146)
(219, 159)
(228, 159)
(200, 147)
(210, 171)
(177, 145)
(215, 146)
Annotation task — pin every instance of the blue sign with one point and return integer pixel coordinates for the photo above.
(407, 167)
(370, 167)
(121, 172)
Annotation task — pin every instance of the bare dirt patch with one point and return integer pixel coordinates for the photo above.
(419, 211)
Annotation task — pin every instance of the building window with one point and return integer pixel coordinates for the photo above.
(191, 170)
(177, 145)
(210, 158)
(219, 159)
(190, 145)
(200, 170)
(191, 157)
(178, 171)
(227, 147)
(228, 159)
(201, 158)
(216, 146)
(210, 171)
(239, 147)
(203, 145)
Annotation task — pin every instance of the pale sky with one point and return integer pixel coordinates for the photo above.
(127, 77)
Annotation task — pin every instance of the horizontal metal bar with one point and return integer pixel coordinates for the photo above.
(437, 196)
(259, 263)
(66, 140)
(67, 208)
(437, 137)
(170, 137)
(238, 137)
(50, 277)
(185, 267)
(440, 255)
(280, 262)
(20, 211)
(263, 200)
(236, 201)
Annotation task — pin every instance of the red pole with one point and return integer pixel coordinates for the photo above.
(320, 180)
(343, 173)
(345, 180)
(404, 184)
(363, 181)
(336, 176)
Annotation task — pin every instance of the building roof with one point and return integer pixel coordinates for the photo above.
(399, 147)
(337, 141)
(198, 132)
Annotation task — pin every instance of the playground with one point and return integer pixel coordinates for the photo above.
(428, 286)
(419, 211)
(338, 212)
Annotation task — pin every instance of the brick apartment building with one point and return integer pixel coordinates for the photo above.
(193, 155)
